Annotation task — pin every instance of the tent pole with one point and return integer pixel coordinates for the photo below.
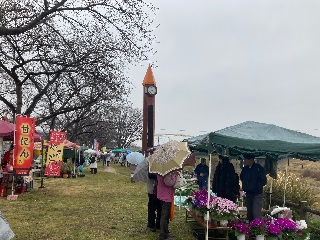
(42, 170)
(285, 187)
(270, 194)
(74, 163)
(208, 200)
(13, 154)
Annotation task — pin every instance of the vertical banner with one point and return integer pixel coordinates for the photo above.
(55, 153)
(95, 143)
(23, 145)
(98, 145)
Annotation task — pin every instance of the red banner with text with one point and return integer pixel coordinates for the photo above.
(55, 153)
(23, 145)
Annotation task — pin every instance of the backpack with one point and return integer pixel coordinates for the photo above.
(92, 160)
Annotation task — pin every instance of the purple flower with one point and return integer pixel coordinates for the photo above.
(220, 208)
(257, 227)
(239, 227)
(286, 224)
(273, 229)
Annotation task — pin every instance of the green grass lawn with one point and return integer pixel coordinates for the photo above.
(101, 206)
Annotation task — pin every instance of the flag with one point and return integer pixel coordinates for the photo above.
(23, 145)
(55, 153)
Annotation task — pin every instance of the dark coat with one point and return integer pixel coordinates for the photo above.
(253, 179)
(202, 169)
(226, 181)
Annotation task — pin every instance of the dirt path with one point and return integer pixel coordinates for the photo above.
(110, 169)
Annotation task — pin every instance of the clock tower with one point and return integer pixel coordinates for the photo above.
(149, 92)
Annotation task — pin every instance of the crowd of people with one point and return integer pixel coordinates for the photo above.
(160, 189)
(225, 184)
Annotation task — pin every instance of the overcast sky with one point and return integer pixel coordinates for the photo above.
(220, 63)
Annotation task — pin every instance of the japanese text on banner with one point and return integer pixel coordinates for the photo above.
(24, 144)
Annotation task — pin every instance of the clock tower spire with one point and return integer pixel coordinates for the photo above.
(149, 92)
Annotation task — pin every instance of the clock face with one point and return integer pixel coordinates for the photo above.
(152, 90)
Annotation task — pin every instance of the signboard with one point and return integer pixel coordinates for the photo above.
(55, 153)
(23, 145)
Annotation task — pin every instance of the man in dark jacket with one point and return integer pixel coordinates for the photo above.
(202, 171)
(253, 177)
(226, 181)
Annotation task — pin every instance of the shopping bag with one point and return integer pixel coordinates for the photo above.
(172, 210)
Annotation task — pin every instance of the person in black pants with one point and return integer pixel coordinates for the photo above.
(154, 204)
(253, 177)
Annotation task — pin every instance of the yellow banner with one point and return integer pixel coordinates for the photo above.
(55, 152)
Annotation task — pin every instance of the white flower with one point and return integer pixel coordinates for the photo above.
(279, 209)
(301, 224)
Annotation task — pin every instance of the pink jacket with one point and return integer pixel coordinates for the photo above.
(165, 190)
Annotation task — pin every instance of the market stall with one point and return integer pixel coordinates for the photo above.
(259, 139)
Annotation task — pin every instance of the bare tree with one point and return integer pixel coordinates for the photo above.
(121, 124)
(62, 56)
(125, 124)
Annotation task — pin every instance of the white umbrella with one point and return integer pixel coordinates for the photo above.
(140, 174)
(5, 230)
(168, 157)
(90, 151)
(135, 158)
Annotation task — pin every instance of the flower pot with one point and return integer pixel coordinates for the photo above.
(241, 237)
(272, 238)
(207, 217)
(224, 223)
(259, 237)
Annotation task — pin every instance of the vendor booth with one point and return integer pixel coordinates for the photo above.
(261, 140)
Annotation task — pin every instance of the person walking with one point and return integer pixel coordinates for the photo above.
(202, 172)
(93, 165)
(165, 193)
(253, 178)
(225, 180)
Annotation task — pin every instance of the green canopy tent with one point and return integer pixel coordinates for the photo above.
(119, 150)
(259, 139)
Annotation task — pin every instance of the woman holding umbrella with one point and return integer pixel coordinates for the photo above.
(165, 193)
(166, 161)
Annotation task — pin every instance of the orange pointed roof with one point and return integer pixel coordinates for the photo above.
(148, 78)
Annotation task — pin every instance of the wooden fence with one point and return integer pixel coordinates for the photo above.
(302, 208)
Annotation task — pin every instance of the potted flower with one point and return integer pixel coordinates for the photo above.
(257, 228)
(198, 202)
(223, 209)
(288, 228)
(66, 169)
(303, 231)
(273, 230)
(240, 230)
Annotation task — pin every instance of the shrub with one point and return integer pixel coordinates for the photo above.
(297, 189)
(306, 173)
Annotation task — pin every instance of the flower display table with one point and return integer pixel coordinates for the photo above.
(211, 225)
